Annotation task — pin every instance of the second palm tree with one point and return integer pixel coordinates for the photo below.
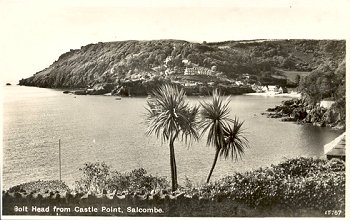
(224, 133)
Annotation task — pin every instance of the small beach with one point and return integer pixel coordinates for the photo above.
(290, 95)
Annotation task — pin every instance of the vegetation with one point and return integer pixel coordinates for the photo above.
(300, 183)
(325, 82)
(226, 138)
(99, 178)
(294, 184)
(170, 118)
(116, 62)
(41, 186)
(295, 187)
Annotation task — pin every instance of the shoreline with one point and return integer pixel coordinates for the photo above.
(73, 90)
(289, 95)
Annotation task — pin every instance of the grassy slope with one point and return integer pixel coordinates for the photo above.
(112, 61)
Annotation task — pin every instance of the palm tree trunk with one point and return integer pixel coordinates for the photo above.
(214, 163)
(173, 165)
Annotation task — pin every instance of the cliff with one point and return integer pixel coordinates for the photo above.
(265, 62)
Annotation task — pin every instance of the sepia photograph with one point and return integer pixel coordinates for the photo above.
(117, 108)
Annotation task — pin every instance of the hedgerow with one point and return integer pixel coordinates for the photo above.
(300, 183)
(98, 177)
(295, 184)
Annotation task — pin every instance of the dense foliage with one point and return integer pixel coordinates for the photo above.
(98, 177)
(293, 184)
(314, 185)
(299, 183)
(113, 61)
(41, 186)
(327, 81)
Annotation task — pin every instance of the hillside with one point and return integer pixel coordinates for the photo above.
(117, 64)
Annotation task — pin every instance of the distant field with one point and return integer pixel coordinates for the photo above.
(290, 75)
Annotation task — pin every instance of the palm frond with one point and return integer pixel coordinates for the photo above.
(214, 115)
(235, 141)
(170, 116)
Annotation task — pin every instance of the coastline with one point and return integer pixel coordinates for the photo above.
(289, 95)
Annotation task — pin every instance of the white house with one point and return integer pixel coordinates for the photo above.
(239, 83)
(272, 88)
(198, 71)
(326, 104)
(280, 90)
(264, 89)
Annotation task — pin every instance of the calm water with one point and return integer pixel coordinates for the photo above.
(98, 128)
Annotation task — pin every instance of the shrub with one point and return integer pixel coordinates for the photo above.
(98, 177)
(95, 177)
(40, 186)
(136, 181)
(299, 183)
(294, 184)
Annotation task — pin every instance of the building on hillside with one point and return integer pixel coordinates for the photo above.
(190, 84)
(198, 70)
(191, 71)
(264, 89)
(257, 88)
(326, 104)
(239, 83)
(280, 90)
(272, 89)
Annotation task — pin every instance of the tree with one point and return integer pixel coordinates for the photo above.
(322, 83)
(171, 118)
(288, 63)
(297, 79)
(224, 133)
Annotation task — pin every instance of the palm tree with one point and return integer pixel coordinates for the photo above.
(224, 133)
(170, 117)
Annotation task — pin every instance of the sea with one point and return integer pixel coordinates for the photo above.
(103, 129)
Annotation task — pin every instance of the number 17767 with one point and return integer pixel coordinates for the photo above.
(333, 212)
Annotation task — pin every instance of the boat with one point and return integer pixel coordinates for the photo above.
(118, 98)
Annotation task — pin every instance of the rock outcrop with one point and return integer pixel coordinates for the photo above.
(299, 110)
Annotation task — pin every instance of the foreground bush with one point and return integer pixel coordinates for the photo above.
(295, 187)
(294, 184)
(98, 177)
(41, 186)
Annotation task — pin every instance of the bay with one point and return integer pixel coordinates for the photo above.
(100, 128)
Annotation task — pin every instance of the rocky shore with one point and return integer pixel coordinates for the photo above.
(143, 88)
(298, 110)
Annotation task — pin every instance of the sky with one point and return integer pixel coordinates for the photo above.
(33, 33)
